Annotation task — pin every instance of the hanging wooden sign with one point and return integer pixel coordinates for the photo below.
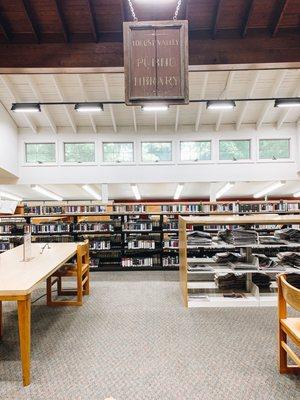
(156, 62)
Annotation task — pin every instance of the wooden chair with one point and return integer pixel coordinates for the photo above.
(288, 327)
(80, 270)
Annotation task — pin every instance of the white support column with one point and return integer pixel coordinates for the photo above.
(224, 95)
(269, 104)
(177, 118)
(16, 98)
(245, 104)
(85, 98)
(201, 107)
(111, 110)
(62, 99)
(35, 90)
(155, 121)
(213, 190)
(134, 119)
(104, 190)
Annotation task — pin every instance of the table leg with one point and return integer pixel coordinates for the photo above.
(1, 322)
(24, 316)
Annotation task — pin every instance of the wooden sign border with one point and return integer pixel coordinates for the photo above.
(183, 25)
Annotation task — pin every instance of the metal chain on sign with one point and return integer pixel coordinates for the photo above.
(132, 10)
(135, 18)
(177, 10)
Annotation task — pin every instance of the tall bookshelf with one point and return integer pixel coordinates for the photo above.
(123, 236)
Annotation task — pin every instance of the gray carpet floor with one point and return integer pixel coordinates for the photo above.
(133, 340)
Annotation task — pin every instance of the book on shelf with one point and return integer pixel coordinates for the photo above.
(171, 243)
(128, 262)
(138, 226)
(50, 228)
(93, 227)
(170, 261)
(141, 244)
(100, 245)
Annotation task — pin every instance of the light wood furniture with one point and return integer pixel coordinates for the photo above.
(288, 327)
(254, 298)
(80, 270)
(18, 279)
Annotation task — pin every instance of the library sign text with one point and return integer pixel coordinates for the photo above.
(156, 62)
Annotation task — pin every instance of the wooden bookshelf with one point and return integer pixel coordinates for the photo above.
(254, 296)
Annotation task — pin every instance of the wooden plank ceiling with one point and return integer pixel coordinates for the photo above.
(88, 33)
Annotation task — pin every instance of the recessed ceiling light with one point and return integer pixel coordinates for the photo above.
(281, 103)
(89, 107)
(26, 107)
(224, 189)
(269, 189)
(46, 193)
(10, 196)
(155, 107)
(178, 191)
(136, 192)
(220, 105)
(92, 192)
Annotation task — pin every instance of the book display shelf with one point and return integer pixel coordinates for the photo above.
(123, 236)
(232, 261)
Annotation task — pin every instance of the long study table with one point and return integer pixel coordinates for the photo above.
(19, 278)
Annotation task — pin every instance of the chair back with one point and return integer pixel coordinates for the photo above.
(83, 256)
(290, 293)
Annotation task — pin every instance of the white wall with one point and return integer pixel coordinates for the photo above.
(175, 171)
(8, 144)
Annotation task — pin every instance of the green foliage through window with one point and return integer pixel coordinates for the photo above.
(118, 152)
(274, 149)
(156, 151)
(79, 152)
(195, 151)
(234, 150)
(39, 153)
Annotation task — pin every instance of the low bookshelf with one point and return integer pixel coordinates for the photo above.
(206, 280)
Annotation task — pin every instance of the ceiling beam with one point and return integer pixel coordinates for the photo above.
(248, 14)
(5, 28)
(280, 9)
(216, 19)
(224, 95)
(273, 93)
(177, 118)
(92, 18)
(243, 106)
(32, 20)
(111, 110)
(134, 119)
(62, 20)
(62, 98)
(16, 98)
(201, 106)
(250, 52)
(285, 112)
(36, 91)
(85, 98)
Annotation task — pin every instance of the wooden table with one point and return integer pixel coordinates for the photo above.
(18, 279)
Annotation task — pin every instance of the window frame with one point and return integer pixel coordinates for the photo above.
(270, 160)
(239, 161)
(64, 162)
(171, 142)
(41, 141)
(196, 161)
(115, 162)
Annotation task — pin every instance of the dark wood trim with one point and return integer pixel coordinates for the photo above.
(216, 19)
(5, 28)
(248, 13)
(31, 19)
(124, 11)
(253, 49)
(186, 9)
(59, 10)
(280, 8)
(93, 20)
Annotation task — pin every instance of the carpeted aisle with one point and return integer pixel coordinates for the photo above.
(133, 340)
